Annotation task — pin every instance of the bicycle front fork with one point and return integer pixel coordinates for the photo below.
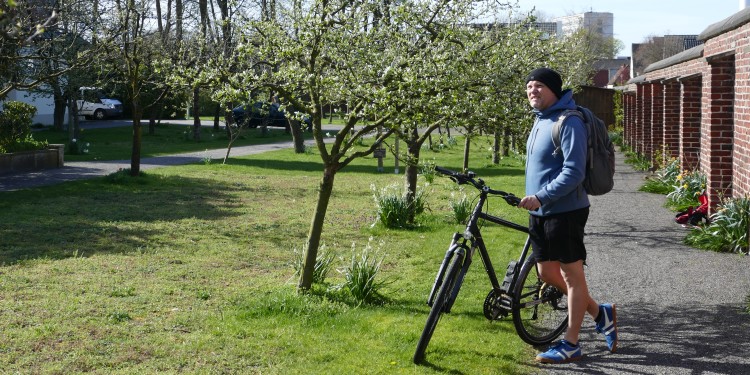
(455, 249)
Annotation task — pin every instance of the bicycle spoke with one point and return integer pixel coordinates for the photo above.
(536, 313)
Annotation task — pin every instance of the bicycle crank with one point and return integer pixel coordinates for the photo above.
(496, 306)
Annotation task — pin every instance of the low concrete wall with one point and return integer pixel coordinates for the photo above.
(27, 161)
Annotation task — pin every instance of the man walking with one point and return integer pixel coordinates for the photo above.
(559, 208)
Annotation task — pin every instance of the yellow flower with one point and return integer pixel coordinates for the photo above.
(679, 177)
(685, 186)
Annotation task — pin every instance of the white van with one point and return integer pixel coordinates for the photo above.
(95, 105)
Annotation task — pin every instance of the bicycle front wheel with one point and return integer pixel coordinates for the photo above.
(439, 305)
(540, 311)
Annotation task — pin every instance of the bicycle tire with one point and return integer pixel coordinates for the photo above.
(438, 306)
(540, 311)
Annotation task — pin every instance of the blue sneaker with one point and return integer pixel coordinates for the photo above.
(607, 325)
(562, 352)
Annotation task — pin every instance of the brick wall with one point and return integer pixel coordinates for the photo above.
(717, 134)
(671, 121)
(690, 123)
(696, 106)
(657, 124)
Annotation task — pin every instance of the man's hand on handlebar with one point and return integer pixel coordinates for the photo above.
(530, 202)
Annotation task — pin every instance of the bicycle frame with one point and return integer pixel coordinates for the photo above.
(473, 236)
(512, 296)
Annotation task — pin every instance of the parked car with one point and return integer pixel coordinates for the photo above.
(262, 113)
(95, 105)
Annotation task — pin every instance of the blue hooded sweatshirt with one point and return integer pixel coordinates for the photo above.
(556, 179)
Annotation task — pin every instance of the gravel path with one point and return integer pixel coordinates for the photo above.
(680, 310)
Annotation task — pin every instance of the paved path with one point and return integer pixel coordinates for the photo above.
(82, 170)
(680, 310)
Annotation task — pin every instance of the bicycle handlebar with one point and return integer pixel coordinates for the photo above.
(469, 178)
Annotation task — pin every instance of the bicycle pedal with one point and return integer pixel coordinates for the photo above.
(504, 305)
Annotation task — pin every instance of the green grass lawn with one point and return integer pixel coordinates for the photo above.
(188, 270)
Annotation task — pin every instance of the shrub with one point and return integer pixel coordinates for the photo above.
(427, 169)
(15, 128)
(461, 206)
(323, 263)
(615, 135)
(360, 275)
(664, 180)
(123, 177)
(452, 141)
(727, 230)
(393, 207)
(688, 187)
(639, 162)
(77, 147)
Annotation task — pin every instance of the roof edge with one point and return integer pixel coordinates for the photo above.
(686, 55)
(730, 23)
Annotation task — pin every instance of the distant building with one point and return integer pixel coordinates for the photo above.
(596, 22)
(45, 105)
(601, 23)
(674, 44)
(660, 48)
(611, 72)
(548, 29)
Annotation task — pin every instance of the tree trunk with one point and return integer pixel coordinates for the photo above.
(152, 120)
(178, 15)
(58, 117)
(135, 155)
(196, 114)
(507, 138)
(297, 136)
(467, 143)
(229, 122)
(412, 172)
(217, 116)
(316, 228)
(72, 119)
(496, 140)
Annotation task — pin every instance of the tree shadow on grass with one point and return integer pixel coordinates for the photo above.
(358, 166)
(104, 216)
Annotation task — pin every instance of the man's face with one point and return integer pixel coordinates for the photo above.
(540, 96)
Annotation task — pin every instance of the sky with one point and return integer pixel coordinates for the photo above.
(635, 20)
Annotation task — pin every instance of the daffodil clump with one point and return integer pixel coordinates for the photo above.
(688, 186)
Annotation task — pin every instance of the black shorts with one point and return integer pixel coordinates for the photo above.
(558, 237)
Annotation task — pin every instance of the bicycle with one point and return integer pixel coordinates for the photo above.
(539, 310)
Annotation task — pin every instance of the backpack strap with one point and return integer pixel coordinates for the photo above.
(557, 128)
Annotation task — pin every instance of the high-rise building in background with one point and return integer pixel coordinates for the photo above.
(597, 22)
(607, 72)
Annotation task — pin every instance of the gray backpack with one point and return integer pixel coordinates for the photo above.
(600, 158)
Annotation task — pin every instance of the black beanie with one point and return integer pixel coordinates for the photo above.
(549, 77)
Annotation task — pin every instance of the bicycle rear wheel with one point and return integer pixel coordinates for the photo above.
(438, 305)
(540, 311)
